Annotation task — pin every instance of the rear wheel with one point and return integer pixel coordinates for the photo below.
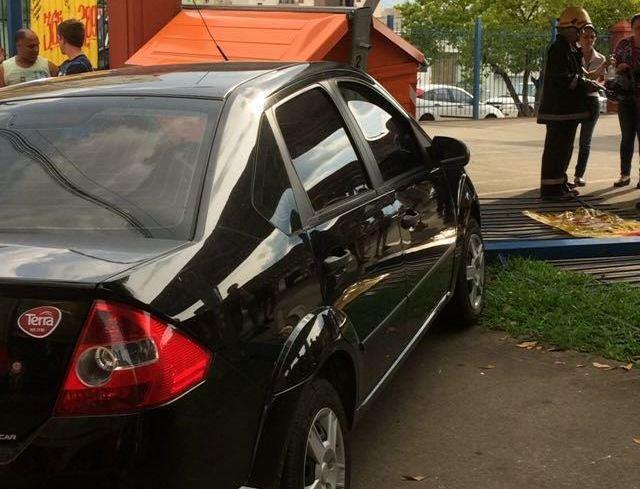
(467, 303)
(318, 451)
(491, 116)
(427, 117)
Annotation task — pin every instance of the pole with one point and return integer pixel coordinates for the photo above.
(477, 67)
(14, 23)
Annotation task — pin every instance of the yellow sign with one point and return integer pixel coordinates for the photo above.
(47, 15)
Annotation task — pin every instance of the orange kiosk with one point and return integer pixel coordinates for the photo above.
(342, 34)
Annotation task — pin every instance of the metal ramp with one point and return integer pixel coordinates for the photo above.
(502, 219)
(508, 232)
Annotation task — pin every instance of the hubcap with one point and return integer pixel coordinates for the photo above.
(325, 455)
(475, 270)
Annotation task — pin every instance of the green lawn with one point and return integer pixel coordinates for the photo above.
(533, 300)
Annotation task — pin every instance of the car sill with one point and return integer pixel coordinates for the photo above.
(387, 376)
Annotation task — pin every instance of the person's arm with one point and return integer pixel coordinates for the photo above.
(598, 72)
(53, 69)
(619, 59)
(2, 82)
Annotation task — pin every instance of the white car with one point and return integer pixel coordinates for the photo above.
(507, 106)
(436, 102)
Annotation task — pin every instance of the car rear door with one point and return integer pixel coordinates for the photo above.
(354, 232)
(462, 103)
(418, 189)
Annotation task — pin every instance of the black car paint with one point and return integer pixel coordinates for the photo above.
(255, 295)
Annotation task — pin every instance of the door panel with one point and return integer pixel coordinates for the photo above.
(360, 262)
(429, 236)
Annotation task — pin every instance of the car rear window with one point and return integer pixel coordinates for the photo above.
(104, 164)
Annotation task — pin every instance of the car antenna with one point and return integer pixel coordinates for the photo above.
(195, 4)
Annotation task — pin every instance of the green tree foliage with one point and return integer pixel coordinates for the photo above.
(516, 32)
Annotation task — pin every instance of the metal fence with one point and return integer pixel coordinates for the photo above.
(481, 72)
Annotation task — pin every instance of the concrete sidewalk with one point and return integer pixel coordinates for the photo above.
(506, 156)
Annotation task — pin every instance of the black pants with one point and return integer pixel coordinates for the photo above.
(630, 129)
(558, 149)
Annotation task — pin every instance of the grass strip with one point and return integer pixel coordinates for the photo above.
(534, 300)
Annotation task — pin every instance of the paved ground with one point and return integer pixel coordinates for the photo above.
(506, 157)
(528, 423)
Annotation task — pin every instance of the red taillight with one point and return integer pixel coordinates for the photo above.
(419, 92)
(127, 360)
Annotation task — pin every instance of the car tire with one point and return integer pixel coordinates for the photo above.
(491, 116)
(465, 308)
(319, 408)
(427, 118)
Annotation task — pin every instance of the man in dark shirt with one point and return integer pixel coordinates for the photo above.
(71, 35)
(564, 103)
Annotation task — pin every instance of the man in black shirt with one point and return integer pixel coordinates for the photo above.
(71, 35)
(564, 103)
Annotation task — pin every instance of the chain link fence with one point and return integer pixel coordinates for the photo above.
(481, 72)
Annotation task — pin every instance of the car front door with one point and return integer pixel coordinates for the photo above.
(354, 232)
(419, 191)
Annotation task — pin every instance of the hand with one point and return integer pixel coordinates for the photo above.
(593, 86)
(623, 67)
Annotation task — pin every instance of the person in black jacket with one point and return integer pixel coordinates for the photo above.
(564, 103)
(71, 34)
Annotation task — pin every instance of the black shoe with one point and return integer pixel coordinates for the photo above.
(555, 197)
(622, 182)
(571, 185)
(568, 189)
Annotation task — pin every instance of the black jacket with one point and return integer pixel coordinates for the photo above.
(564, 94)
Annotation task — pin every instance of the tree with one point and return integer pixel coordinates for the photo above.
(516, 32)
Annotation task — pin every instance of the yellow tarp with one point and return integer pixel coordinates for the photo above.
(588, 223)
(47, 15)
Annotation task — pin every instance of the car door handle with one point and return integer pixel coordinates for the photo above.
(410, 219)
(338, 261)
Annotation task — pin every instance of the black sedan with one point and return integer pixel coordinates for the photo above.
(208, 273)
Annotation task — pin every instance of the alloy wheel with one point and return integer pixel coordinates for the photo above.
(325, 453)
(475, 270)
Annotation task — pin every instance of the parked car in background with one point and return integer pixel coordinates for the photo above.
(209, 272)
(436, 102)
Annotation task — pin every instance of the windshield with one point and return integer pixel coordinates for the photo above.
(103, 165)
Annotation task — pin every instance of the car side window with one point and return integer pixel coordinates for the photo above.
(441, 95)
(323, 154)
(387, 131)
(273, 196)
(460, 97)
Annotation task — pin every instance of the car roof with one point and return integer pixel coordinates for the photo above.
(210, 80)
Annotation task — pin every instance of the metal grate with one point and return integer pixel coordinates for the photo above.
(614, 269)
(502, 218)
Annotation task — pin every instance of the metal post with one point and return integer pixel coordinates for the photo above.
(477, 68)
(554, 30)
(14, 23)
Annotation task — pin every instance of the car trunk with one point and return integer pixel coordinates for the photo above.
(45, 296)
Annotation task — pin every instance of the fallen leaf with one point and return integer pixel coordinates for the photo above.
(558, 362)
(580, 366)
(488, 367)
(602, 365)
(413, 478)
(556, 348)
(482, 373)
(636, 441)
(628, 367)
(538, 348)
(527, 344)
(504, 338)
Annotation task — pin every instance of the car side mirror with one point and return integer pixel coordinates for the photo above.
(449, 151)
